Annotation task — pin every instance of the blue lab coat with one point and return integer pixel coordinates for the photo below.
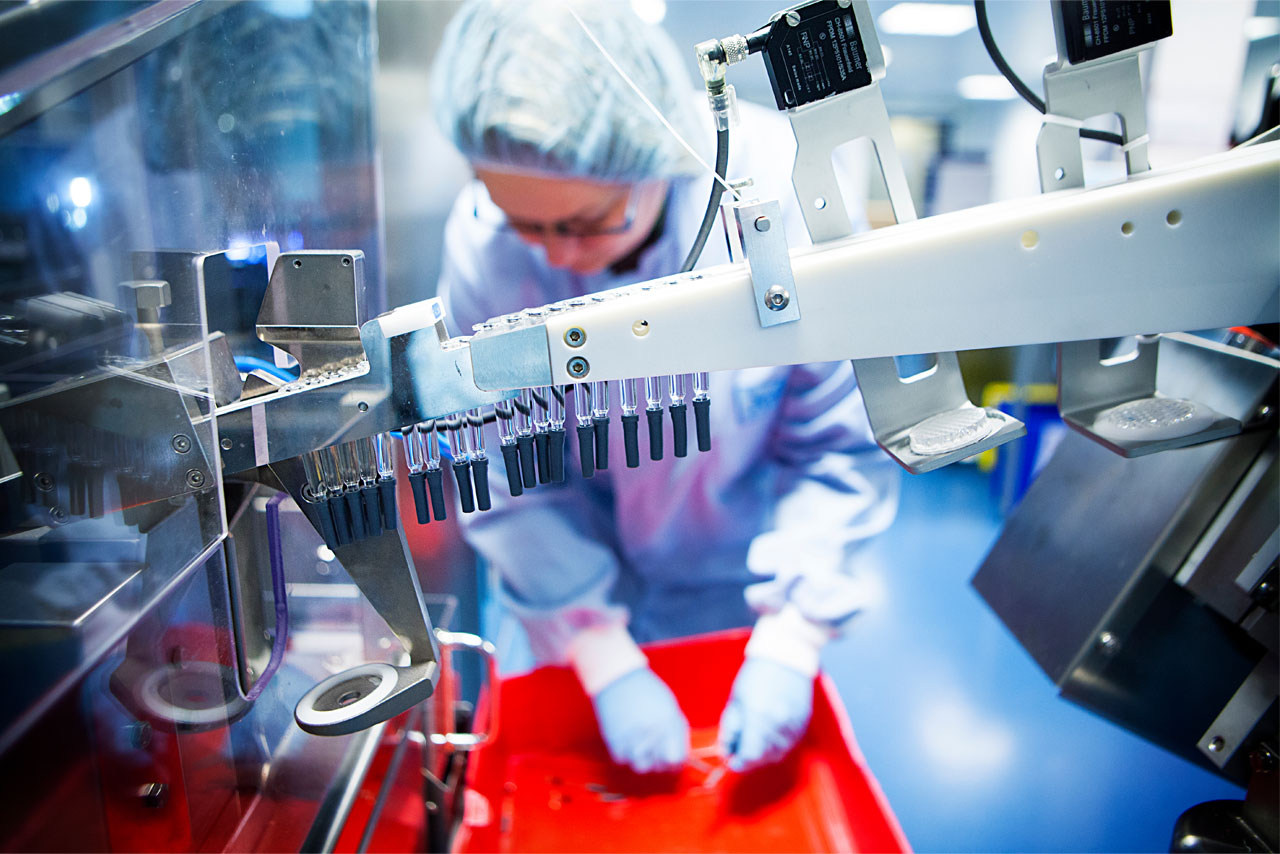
(772, 514)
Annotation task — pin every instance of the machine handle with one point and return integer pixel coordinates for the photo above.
(472, 740)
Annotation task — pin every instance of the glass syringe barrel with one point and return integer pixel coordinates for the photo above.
(585, 429)
(600, 422)
(555, 433)
(679, 416)
(702, 409)
(524, 438)
(630, 423)
(505, 412)
(653, 412)
(479, 460)
(435, 475)
(541, 425)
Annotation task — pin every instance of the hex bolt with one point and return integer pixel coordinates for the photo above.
(578, 367)
(44, 482)
(181, 443)
(575, 336)
(762, 223)
(195, 478)
(148, 297)
(777, 298)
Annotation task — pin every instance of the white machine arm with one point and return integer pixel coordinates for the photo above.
(1187, 248)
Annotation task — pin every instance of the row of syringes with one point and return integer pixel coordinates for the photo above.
(531, 436)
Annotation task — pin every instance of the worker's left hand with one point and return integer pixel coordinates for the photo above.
(768, 712)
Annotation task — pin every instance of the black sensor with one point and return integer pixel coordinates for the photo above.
(813, 52)
(1092, 29)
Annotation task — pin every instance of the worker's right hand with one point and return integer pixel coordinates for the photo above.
(641, 722)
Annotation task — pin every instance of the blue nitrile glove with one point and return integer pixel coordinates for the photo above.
(642, 725)
(768, 712)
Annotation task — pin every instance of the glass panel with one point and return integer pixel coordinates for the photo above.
(138, 221)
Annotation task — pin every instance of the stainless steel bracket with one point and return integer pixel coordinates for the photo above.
(1074, 94)
(382, 568)
(1241, 713)
(1227, 385)
(822, 127)
(893, 406)
(764, 248)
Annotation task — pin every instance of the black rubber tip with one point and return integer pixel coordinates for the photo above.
(586, 454)
(601, 426)
(511, 462)
(480, 473)
(435, 486)
(702, 423)
(680, 429)
(462, 474)
(654, 417)
(421, 504)
(528, 465)
(555, 443)
(341, 519)
(355, 512)
(543, 443)
(387, 498)
(631, 439)
(324, 518)
(371, 504)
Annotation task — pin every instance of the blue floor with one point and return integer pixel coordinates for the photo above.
(967, 736)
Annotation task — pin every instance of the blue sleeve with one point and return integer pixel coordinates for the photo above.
(836, 490)
(552, 546)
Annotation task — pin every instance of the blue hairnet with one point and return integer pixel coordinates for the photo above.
(518, 84)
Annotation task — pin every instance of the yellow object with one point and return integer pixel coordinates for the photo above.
(995, 394)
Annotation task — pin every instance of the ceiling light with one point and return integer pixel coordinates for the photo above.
(927, 19)
(985, 87)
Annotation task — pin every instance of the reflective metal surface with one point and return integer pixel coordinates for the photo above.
(149, 688)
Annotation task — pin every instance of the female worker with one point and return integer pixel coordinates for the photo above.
(580, 188)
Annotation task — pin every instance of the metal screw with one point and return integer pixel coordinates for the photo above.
(195, 478)
(362, 406)
(181, 443)
(640, 328)
(575, 336)
(1264, 411)
(793, 18)
(578, 367)
(762, 223)
(1217, 744)
(1108, 643)
(58, 515)
(346, 262)
(44, 482)
(297, 262)
(225, 443)
(844, 4)
(777, 298)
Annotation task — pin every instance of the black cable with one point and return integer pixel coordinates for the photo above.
(989, 42)
(713, 204)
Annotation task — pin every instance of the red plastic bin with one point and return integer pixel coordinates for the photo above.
(546, 782)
